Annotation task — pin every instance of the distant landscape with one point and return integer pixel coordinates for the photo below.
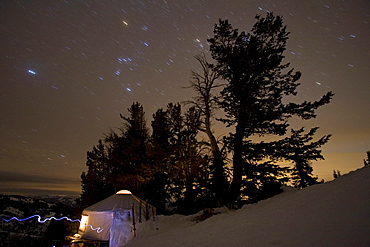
(18, 233)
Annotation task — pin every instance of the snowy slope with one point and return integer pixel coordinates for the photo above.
(336, 213)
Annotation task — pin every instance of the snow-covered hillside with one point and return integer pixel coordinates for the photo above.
(336, 213)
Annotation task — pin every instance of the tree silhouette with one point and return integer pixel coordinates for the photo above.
(336, 173)
(95, 182)
(172, 167)
(168, 167)
(128, 155)
(367, 161)
(188, 164)
(204, 83)
(159, 153)
(252, 65)
(301, 150)
(263, 178)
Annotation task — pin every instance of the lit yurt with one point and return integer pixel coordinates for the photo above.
(113, 220)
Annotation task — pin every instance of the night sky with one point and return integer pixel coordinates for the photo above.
(69, 68)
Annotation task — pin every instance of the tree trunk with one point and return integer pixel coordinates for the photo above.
(219, 182)
(236, 183)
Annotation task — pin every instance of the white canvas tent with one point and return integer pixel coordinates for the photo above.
(113, 219)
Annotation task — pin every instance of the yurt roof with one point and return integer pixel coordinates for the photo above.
(123, 199)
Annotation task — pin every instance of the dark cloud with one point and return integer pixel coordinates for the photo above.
(36, 192)
(7, 176)
(25, 184)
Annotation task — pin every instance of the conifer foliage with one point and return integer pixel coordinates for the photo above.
(367, 161)
(252, 64)
(95, 182)
(301, 151)
(169, 167)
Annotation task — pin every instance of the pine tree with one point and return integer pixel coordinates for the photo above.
(128, 155)
(367, 161)
(159, 154)
(301, 150)
(179, 166)
(336, 174)
(263, 178)
(252, 65)
(95, 182)
(188, 166)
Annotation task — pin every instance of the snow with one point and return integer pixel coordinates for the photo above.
(12, 211)
(335, 213)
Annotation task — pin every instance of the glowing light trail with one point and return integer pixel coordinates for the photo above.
(39, 219)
